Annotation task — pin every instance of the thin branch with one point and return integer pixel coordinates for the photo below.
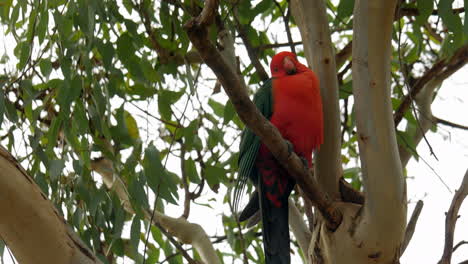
(342, 56)
(164, 55)
(411, 226)
(410, 11)
(251, 116)
(459, 244)
(442, 68)
(185, 183)
(451, 219)
(277, 45)
(450, 124)
(252, 52)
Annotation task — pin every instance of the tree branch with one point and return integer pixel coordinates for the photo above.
(383, 179)
(250, 115)
(299, 228)
(459, 244)
(451, 219)
(442, 68)
(185, 231)
(253, 54)
(343, 55)
(33, 220)
(411, 227)
(450, 124)
(410, 11)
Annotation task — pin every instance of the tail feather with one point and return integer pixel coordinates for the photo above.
(275, 233)
(275, 185)
(251, 208)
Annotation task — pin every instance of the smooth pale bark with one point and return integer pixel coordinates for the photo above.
(298, 227)
(29, 223)
(311, 18)
(381, 224)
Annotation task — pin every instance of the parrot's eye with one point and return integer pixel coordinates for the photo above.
(275, 68)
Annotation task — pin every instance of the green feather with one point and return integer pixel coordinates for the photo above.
(250, 143)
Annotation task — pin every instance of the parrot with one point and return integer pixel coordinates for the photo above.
(291, 101)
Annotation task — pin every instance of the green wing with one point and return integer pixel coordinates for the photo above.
(250, 143)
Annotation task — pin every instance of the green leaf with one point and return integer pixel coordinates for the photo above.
(167, 98)
(217, 107)
(135, 233)
(131, 125)
(229, 112)
(25, 49)
(149, 72)
(119, 218)
(465, 22)
(159, 180)
(43, 25)
(125, 46)
(191, 171)
(107, 51)
(452, 21)
(263, 6)
(137, 193)
(80, 119)
(133, 64)
(69, 92)
(425, 8)
(406, 140)
(55, 169)
(11, 112)
(46, 67)
(52, 134)
(213, 175)
(345, 9)
(189, 133)
(2, 106)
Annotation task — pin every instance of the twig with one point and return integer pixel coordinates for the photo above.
(185, 183)
(253, 54)
(411, 226)
(344, 54)
(451, 219)
(286, 24)
(450, 124)
(443, 68)
(250, 115)
(410, 11)
(406, 84)
(459, 244)
(277, 45)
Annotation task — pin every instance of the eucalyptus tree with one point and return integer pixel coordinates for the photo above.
(121, 119)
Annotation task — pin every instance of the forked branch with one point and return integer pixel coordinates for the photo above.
(451, 219)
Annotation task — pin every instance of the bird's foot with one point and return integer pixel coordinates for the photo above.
(304, 162)
(290, 147)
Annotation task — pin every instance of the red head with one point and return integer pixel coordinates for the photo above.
(286, 63)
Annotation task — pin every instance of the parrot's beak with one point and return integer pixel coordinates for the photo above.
(289, 65)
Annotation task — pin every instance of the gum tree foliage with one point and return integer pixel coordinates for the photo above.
(110, 109)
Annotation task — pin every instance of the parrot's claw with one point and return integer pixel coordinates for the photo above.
(290, 147)
(304, 162)
(291, 150)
